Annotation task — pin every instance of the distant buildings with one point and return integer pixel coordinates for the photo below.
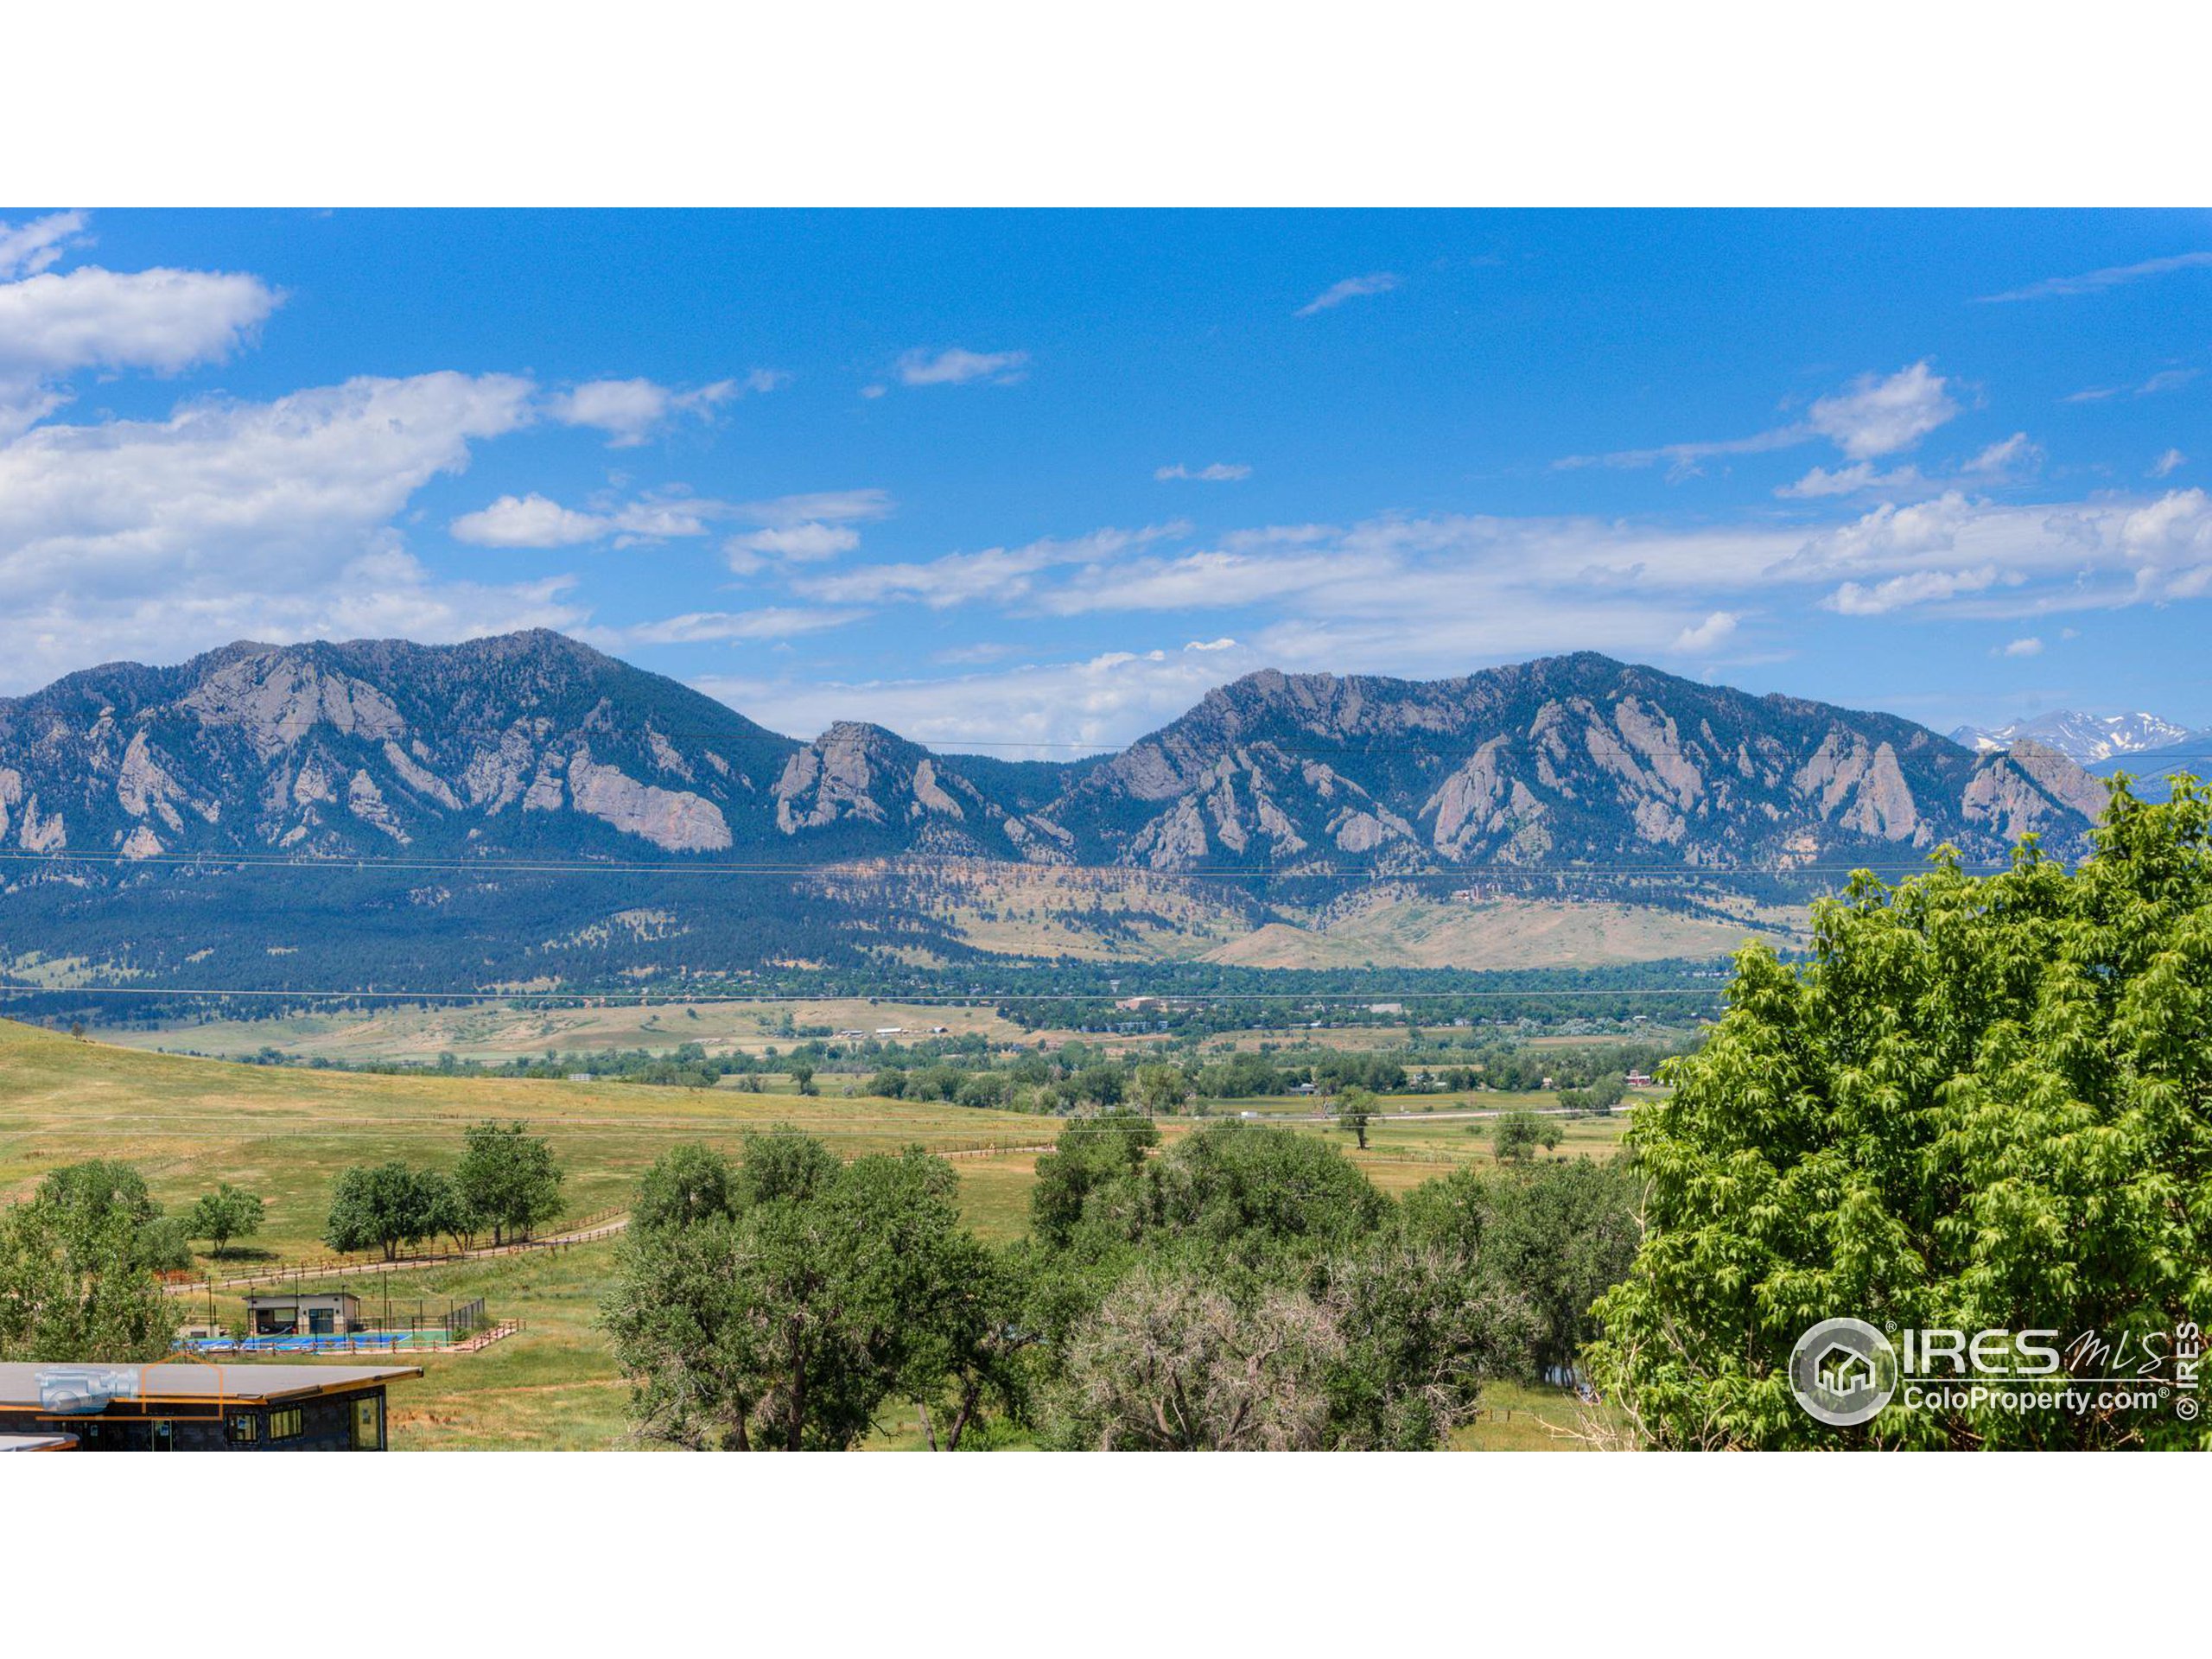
(316, 1313)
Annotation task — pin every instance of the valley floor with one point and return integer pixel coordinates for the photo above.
(285, 1132)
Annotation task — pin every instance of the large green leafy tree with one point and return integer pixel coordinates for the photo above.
(226, 1213)
(780, 1305)
(1556, 1234)
(77, 1273)
(384, 1206)
(508, 1179)
(1983, 1105)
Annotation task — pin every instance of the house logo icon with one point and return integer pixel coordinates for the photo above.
(1843, 1372)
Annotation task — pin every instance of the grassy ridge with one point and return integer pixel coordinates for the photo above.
(285, 1133)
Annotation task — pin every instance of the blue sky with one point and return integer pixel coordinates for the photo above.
(998, 480)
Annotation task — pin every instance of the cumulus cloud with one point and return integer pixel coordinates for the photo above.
(2095, 282)
(55, 323)
(1854, 599)
(1220, 472)
(631, 411)
(28, 248)
(2030, 647)
(153, 538)
(241, 493)
(1352, 287)
(527, 521)
(955, 366)
(1714, 631)
(1880, 415)
(795, 526)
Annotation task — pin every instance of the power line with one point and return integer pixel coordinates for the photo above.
(626, 1000)
(890, 865)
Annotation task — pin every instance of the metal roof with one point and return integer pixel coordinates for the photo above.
(246, 1384)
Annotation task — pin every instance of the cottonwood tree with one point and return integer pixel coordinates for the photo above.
(508, 1179)
(76, 1280)
(1354, 1110)
(1163, 1087)
(384, 1207)
(785, 1320)
(226, 1213)
(1982, 1105)
(1514, 1137)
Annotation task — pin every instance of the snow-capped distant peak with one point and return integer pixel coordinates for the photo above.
(2083, 738)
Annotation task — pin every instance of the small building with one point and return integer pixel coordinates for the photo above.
(308, 1313)
(186, 1407)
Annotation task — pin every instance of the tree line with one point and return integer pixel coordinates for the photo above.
(1247, 1286)
(507, 1183)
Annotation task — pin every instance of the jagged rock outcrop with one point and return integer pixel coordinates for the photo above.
(534, 742)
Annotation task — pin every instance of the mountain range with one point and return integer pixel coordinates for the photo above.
(502, 763)
(2084, 739)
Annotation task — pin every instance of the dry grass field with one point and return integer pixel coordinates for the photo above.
(285, 1132)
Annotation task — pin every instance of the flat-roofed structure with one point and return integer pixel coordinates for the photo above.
(186, 1407)
(291, 1313)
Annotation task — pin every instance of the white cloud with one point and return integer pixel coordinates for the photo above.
(955, 366)
(1852, 480)
(527, 521)
(2030, 647)
(795, 523)
(28, 248)
(237, 491)
(1685, 460)
(2003, 456)
(2163, 380)
(2169, 463)
(1352, 287)
(1875, 416)
(1714, 630)
(54, 323)
(1878, 416)
(2166, 380)
(2094, 282)
(1220, 472)
(631, 411)
(1854, 599)
(1223, 644)
(772, 622)
(997, 573)
(151, 539)
(828, 506)
(2168, 544)
(803, 544)
(1048, 710)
